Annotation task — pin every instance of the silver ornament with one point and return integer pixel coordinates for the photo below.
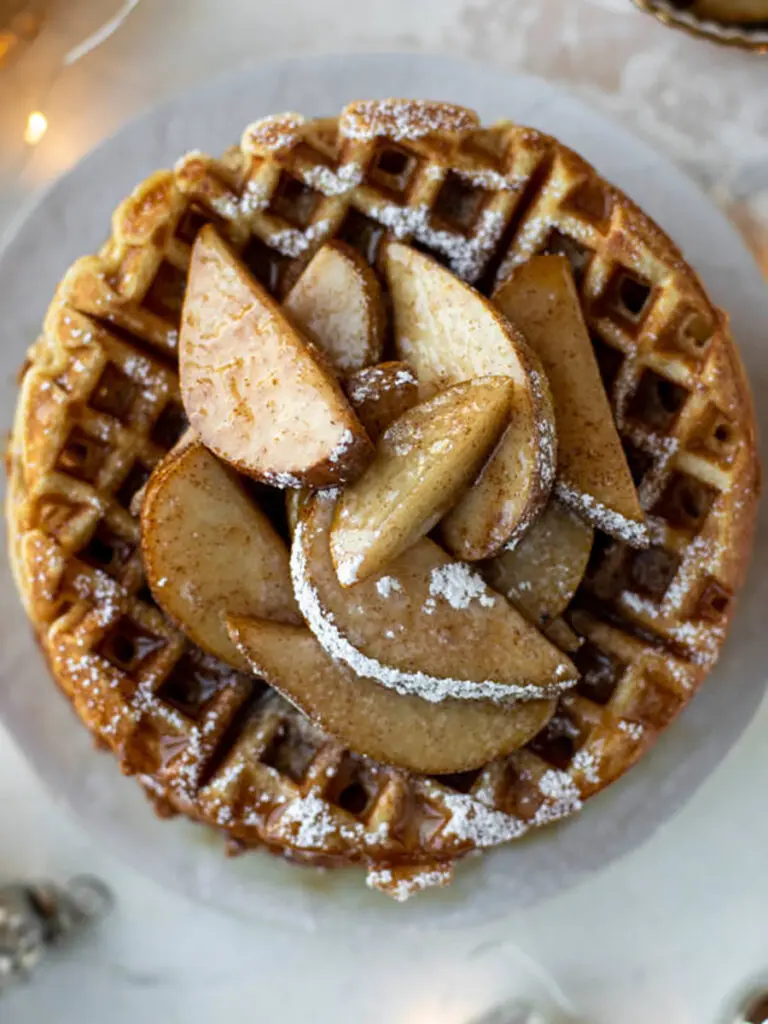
(36, 915)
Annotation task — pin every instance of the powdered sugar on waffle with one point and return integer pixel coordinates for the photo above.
(702, 641)
(431, 688)
(254, 198)
(308, 823)
(562, 797)
(401, 120)
(473, 822)
(402, 883)
(333, 183)
(103, 592)
(635, 730)
(604, 518)
(490, 180)
(294, 243)
(467, 257)
(273, 134)
(584, 761)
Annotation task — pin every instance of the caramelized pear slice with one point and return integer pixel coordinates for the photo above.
(408, 732)
(337, 302)
(424, 461)
(184, 441)
(449, 333)
(562, 636)
(427, 625)
(256, 392)
(593, 476)
(209, 551)
(379, 394)
(542, 572)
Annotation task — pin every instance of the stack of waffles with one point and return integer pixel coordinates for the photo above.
(417, 291)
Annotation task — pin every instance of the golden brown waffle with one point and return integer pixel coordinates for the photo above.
(99, 405)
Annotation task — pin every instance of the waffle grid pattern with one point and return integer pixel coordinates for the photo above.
(99, 407)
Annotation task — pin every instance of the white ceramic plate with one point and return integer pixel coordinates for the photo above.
(72, 218)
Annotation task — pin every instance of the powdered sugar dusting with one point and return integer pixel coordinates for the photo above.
(388, 585)
(701, 640)
(562, 797)
(370, 381)
(333, 183)
(635, 730)
(473, 822)
(254, 198)
(457, 584)
(486, 178)
(431, 688)
(345, 442)
(467, 256)
(606, 519)
(285, 481)
(402, 883)
(294, 242)
(400, 119)
(103, 592)
(273, 134)
(307, 822)
(584, 761)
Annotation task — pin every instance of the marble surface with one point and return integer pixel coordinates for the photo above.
(663, 935)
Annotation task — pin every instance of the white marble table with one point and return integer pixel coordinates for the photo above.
(662, 936)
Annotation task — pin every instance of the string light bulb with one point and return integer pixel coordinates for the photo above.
(36, 127)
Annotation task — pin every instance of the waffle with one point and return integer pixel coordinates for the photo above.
(99, 406)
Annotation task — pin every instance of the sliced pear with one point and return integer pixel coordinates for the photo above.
(255, 391)
(427, 625)
(293, 502)
(184, 441)
(562, 636)
(379, 394)
(338, 303)
(449, 333)
(593, 476)
(542, 572)
(209, 551)
(453, 736)
(424, 461)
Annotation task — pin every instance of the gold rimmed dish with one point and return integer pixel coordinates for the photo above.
(742, 35)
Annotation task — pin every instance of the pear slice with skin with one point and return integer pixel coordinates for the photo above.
(209, 551)
(256, 392)
(541, 574)
(408, 732)
(449, 333)
(424, 461)
(338, 303)
(562, 636)
(184, 441)
(426, 626)
(593, 476)
(379, 394)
